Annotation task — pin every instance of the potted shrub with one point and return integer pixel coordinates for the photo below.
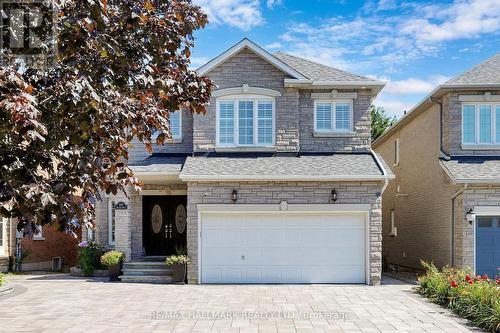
(113, 261)
(179, 267)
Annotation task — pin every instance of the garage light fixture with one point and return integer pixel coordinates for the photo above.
(334, 196)
(234, 195)
(470, 216)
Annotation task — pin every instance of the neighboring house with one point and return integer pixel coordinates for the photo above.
(276, 183)
(39, 251)
(445, 154)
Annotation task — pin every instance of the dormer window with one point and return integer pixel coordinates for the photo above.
(245, 120)
(333, 116)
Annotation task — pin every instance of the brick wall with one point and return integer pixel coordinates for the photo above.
(55, 244)
(422, 206)
(293, 193)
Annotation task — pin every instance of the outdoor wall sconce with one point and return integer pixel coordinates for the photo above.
(334, 196)
(470, 216)
(234, 195)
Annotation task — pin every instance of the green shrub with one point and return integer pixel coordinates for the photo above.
(2, 279)
(89, 257)
(112, 258)
(179, 259)
(475, 298)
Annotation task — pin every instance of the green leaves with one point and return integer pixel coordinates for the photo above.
(122, 68)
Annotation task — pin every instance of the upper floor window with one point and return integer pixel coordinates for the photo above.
(175, 119)
(480, 124)
(333, 116)
(245, 121)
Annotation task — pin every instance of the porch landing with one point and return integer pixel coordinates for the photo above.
(147, 270)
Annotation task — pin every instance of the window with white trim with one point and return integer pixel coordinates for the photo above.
(3, 233)
(396, 152)
(111, 222)
(333, 116)
(394, 229)
(480, 124)
(175, 119)
(245, 121)
(175, 124)
(38, 235)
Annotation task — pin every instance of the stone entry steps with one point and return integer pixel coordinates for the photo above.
(147, 270)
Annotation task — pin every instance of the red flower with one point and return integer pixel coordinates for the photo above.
(471, 281)
(454, 284)
(498, 281)
(467, 278)
(485, 277)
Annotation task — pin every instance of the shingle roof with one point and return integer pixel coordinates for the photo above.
(473, 169)
(317, 167)
(318, 72)
(487, 72)
(160, 163)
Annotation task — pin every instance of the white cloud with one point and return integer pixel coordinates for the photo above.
(242, 14)
(388, 33)
(274, 45)
(393, 107)
(271, 3)
(413, 85)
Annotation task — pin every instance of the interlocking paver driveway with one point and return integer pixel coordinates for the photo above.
(62, 304)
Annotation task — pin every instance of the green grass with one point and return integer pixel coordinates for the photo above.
(472, 297)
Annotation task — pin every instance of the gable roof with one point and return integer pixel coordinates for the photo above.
(301, 72)
(247, 43)
(487, 72)
(318, 72)
(485, 75)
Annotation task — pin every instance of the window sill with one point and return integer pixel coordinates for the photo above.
(334, 134)
(153, 140)
(480, 147)
(245, 149)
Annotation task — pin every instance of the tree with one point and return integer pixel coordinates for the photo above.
(380, 121)
(122, 67)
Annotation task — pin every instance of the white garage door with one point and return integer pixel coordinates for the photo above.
(281, 247)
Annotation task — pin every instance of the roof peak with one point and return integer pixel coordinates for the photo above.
(487, 71)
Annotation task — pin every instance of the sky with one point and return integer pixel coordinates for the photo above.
(412, 45)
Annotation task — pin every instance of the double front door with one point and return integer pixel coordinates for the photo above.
(164, 225)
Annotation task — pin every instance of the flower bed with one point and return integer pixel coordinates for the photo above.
(476, 298)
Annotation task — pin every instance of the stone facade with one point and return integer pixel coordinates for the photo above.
(452, 124)
(293, 193)
(359, 141)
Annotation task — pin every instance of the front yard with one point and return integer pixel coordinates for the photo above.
(59, 303)
(476, 298)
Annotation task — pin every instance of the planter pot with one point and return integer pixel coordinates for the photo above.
(114, 272)
(179, 273)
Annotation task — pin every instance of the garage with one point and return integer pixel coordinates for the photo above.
(283, 247)
(488, 245)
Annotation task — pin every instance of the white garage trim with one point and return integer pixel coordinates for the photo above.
(361, 209)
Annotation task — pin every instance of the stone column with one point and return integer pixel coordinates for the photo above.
(123, 222)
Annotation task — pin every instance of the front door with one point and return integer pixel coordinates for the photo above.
(164, 225)
(488, 245)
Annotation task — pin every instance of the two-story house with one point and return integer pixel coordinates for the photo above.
(444, 205)
(276, 183)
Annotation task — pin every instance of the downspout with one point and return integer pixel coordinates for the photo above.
(381, 167)
(453, 198)
(442, 153)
